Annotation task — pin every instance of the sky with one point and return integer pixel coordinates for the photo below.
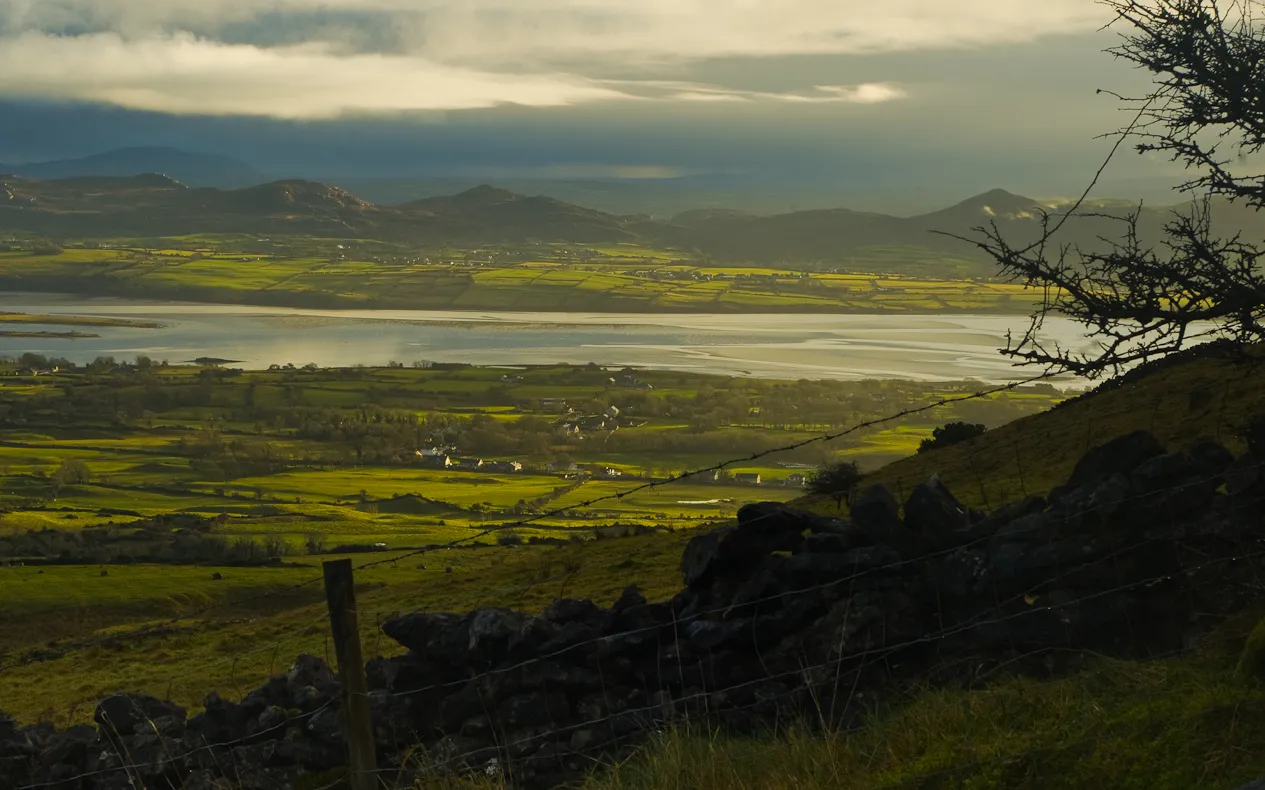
(899, 94)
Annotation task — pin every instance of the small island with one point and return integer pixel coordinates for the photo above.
(74, 320)
(72, 335)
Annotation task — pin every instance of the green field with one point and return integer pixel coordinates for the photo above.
(296, 453)
(71, 632)
(164, 475)
(626, 278)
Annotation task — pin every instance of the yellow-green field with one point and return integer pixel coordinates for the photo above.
(612, 278)
(1174, 723)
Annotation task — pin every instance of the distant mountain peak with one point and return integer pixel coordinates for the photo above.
(292, 192)
(189, 167)
(482, 196)
(993, 204)
(485, 193)
(999, 201)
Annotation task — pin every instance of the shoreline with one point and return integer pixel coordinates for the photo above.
(106, 288)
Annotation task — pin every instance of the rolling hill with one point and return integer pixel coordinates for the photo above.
(158, 205)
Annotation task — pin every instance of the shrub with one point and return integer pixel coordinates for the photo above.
(836, 480)
(952, 433)
(509, 537)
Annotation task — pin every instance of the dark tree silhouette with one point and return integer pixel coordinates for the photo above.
(950, 433)
(1143, 301)
(835, 480)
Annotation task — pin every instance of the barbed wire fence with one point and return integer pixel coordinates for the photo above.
(499, 754)
(506, 750)
(545, 515)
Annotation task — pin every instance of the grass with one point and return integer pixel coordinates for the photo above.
(1187, 722)
(1204, 398)
(234, 648)
(1169, 725)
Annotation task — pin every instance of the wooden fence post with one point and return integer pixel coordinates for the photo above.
(340, 593)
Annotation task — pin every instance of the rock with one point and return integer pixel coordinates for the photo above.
(422, 632)
(770, 526)
(69, 747)
(934, 513)
(709, 635)
(1120, 455)
(863, 623)
(826, 543)
(220, 721)
(1244, 476)
(962, 573)
(1204, 463)
(1022, 530)
(1210, 455)
(876, 516)
(8, 728)
(122, 714)
(871, 558)
(1011, 511)
(701, 561)
(490, 632)
(571, 610)
(529, 710)
(272, 718)
(875, 511)
(1109, 495)
(325, 726)
(825, 525)
(763, 528)
(819, 569)
(310, 671)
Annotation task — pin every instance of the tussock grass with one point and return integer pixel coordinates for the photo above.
(1168, 725)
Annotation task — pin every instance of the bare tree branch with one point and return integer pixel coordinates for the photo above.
(1139, 301)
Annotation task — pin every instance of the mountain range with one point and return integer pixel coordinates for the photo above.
(157, 205)
(189, 167)
(659, 196)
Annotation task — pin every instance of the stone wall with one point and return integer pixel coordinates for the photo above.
(785, 614)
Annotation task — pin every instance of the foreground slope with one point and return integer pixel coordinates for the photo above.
(1177, 722)
(1202, 393)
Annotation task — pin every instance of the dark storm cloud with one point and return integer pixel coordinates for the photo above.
(906, 92)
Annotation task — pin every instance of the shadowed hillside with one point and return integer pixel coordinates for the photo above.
(1202, 393)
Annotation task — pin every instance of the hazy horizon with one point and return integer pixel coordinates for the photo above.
(889, 102)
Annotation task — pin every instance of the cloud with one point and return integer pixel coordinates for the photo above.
(864, 93)
(323, 58)
(184, 75)
(552, 30)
